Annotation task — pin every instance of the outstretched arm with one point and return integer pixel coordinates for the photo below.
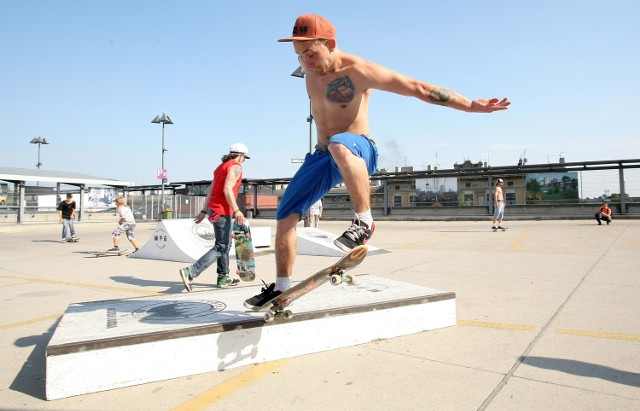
(382, 78)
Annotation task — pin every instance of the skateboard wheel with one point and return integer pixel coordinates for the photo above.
(269, 317)
(335, 279)
(350, 279)
(287, 315)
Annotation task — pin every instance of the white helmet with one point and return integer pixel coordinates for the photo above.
(239, 148)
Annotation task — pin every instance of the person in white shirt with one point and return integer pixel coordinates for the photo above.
(127, 225)
(315, 212)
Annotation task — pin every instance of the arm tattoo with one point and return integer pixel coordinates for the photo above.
(440, 95)
(341, 90)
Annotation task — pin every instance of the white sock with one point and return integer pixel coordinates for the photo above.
(365, 217)
(283, 283)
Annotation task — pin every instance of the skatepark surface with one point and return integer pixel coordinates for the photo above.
(547, 318)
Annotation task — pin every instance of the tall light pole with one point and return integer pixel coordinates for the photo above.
(299, 72)
(39, 141)
(163, 119)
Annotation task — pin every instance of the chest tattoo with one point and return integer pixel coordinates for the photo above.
(341, 90)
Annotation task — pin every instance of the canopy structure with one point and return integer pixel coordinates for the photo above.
(20, 176)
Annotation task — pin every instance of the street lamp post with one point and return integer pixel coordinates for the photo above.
(162, 119)
(299, 72)
(39, 141)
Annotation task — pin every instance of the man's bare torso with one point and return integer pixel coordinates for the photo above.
(499, 196)
(339, 101)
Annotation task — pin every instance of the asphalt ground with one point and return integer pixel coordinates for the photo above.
(548, 318)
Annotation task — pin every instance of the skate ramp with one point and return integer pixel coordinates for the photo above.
(313, 241)
(102, 345)
(185, 241)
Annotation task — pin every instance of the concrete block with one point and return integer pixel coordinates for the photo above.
(103, 345)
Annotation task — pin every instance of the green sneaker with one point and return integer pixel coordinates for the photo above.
(185, 274)
(227, 281)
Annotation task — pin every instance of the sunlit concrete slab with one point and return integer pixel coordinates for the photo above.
(313, 241)
(104, 345)
(185, 241)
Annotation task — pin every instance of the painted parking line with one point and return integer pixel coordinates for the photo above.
(413, 244)
(215, 394)
(567, 331)
(32, 321)
(84, 285)
(516, 244)
(597, 334)
(15, 284)
(631, 241)
(521, 327)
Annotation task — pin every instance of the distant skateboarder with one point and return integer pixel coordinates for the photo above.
(67, 210)
(127, 225)
(498, 198)
(220, 207)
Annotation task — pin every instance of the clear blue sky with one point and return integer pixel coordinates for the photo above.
(89, 76)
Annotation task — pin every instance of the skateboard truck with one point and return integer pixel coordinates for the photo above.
(278, 310)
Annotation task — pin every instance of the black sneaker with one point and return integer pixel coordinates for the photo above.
(358, 234)
(267, 293)
(114, 249)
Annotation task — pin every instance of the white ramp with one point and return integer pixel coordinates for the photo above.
(184, 241)
(312, 241)
(103, 345)
(178, 240)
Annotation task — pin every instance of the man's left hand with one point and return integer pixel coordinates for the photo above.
(489, 106)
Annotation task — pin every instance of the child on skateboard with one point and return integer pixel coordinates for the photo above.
(127, 225)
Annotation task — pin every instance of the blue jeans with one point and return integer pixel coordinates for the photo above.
(220, 250)
(67, 223)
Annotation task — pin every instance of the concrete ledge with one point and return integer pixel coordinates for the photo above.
(104, 345)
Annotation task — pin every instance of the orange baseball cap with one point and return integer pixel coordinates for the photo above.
(311, 27)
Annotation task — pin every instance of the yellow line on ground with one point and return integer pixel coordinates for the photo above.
(521, 327)
(632, 242)
(516, 244)
(204, 400)
(35, 320)
(437, 237)
(85, 285)
(596, 334)
(14, 284)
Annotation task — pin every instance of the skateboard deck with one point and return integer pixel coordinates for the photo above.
(335, 274)
(246, 266)
(499, 228)
(72, 240)
(111, 253)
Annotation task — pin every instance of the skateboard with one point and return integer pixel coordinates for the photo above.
(111, 253)
(335, 274)
(499, 228)
(241, 235)
(72, 240)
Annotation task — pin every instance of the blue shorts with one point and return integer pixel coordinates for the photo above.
(319, 173)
